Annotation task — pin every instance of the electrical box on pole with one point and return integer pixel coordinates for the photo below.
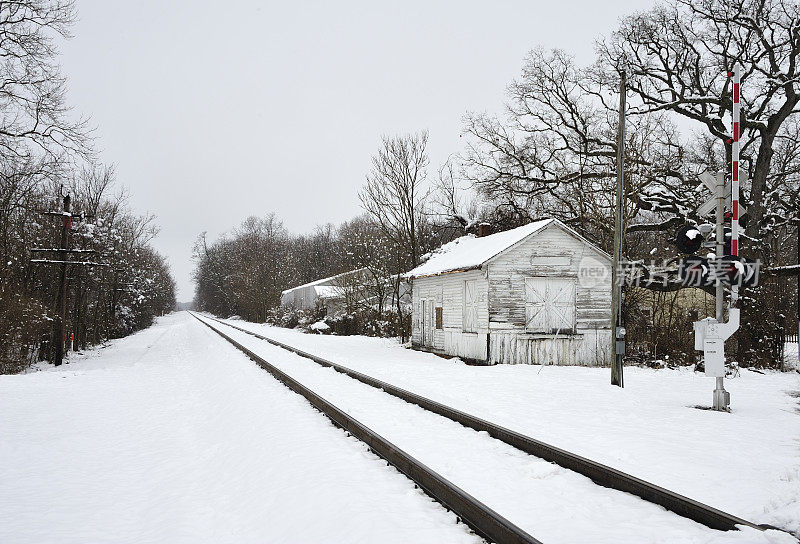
(710, 336)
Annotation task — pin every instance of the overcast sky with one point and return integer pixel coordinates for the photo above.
(214, 111)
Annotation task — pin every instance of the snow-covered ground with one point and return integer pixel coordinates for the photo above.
(172, 436)
(746, 462)
(553, 504)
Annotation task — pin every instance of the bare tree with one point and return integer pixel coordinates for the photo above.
(42, 148)
(366, 248)
(679, 56)
(394, 190)
(553, 153)
(456, 205)
(33, 112)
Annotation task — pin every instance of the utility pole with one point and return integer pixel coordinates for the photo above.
(63, 252)
(618, 332)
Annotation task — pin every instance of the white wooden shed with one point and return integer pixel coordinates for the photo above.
(537, 294)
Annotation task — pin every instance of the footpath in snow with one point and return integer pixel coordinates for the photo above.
(746, 462)
(172, 436)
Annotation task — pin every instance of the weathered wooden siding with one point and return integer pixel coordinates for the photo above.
(447, 292)
(589, 347)
(551, 252)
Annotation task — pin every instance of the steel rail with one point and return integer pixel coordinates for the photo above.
(599, 473)
(480, 518)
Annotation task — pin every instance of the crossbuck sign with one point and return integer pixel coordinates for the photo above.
(715, 184)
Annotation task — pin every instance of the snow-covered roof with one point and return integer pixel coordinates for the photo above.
(323, 281)
(469, 252)
(327, 291)
(309, 284)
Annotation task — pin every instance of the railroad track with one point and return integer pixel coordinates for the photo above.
(479, 517)
(482, 519)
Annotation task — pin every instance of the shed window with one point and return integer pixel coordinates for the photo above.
(439, 318)
(550, 305)
(470, 306)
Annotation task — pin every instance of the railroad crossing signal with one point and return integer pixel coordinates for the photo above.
(727, 271)
(710, 334)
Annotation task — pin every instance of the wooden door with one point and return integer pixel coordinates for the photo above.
(470, 306)
(550, 305)
(426, 323)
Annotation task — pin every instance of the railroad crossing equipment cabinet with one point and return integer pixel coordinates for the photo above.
(710, 336)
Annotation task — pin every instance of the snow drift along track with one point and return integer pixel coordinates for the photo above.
(479, 517)
(600, 474)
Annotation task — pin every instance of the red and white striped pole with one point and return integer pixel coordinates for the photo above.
(737, 76)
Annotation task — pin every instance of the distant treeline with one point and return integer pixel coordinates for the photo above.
(243, 273)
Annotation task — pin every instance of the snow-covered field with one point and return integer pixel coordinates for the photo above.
(746, 462)
(172, 436)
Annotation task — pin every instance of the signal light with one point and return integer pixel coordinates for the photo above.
(697, 271)
(742, 219)
(726, 246)
(689, 239)
(734, 270)
(693, 271)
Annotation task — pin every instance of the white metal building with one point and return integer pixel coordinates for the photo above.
(336, 292)
(309, 295)
(537, 294)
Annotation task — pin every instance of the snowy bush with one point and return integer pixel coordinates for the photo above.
(320, 327)
(368, 323)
